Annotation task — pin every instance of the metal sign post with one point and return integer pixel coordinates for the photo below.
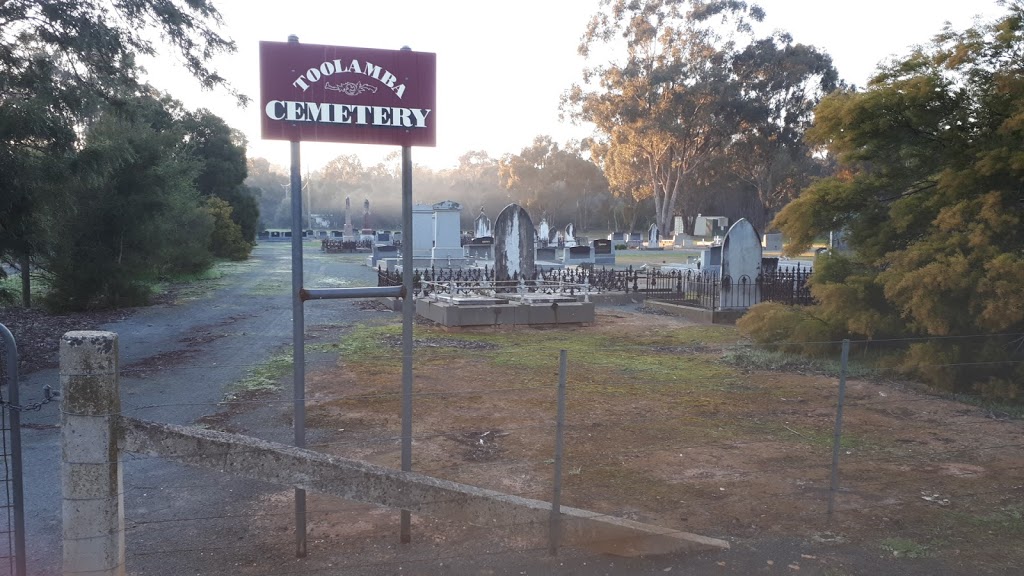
(407, 321)
(298, 340)
(363, 96)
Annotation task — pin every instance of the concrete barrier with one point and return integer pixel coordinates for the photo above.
(360, 481)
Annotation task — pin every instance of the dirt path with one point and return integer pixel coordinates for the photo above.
(179, 359)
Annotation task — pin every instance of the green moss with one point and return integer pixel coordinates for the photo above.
(263, 378)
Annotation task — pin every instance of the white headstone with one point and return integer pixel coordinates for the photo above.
(482, 226)
(447, 230)
(653, 236)
(741, 262)
(543, 232)
(773, 242)
(422, 230)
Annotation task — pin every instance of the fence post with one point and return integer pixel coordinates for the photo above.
(91, 483)
(555, 522)
(838, 435)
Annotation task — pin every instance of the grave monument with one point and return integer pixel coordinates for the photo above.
(741, 263)
(514, 243)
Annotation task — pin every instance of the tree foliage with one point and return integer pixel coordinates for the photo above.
(68, 81)
(930, 191)
(552, 181)
(126, 180)
(694, 103)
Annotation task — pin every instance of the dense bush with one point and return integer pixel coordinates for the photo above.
(226, 239)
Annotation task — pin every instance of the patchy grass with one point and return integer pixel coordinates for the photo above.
(753, 358)
(1008, 520)
(661, 428)
(270, 286)
(905, 548)
(263, 378)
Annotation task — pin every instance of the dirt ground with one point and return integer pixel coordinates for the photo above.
(662, 429)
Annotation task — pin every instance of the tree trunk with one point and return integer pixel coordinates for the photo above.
(26, 282)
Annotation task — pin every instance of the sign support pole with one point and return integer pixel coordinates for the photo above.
(298, 331)
(408, 315)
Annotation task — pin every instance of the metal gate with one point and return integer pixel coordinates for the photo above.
(12, 502)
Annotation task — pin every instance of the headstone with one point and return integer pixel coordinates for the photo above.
(705, 226)
(635, 240)
(577, 255)
(543, 231)
(604, 251)
(482, 225)
(678, 226)
(654, 237)
(618, 238)
(366, 213)
(514, 243)
(741, 261)
(773, 242)
(710, 258)
(570, 235)
(422, 230)
(447, 231)
(481, 248)
(380, 252)
(545, 254)
(348, 231)
(837, 240)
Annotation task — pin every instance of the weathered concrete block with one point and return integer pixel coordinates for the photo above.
(360, 481)
(91, 482)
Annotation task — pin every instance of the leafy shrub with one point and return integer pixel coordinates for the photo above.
(790, 328)
(226, 240)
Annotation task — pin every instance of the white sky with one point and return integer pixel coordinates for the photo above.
(502, 66)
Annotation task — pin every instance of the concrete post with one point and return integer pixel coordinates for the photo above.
(91, 483)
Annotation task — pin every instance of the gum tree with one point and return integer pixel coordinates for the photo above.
(659, 110)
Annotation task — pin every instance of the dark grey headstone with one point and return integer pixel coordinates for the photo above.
(546, 253)
(602, 247)
(514, 243)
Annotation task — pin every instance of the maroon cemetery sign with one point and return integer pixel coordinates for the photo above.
(341, 94)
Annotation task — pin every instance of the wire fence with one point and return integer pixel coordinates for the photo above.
(692, 434)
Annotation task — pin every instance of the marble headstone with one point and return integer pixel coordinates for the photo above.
(482, 229)
(514, 243)
(741, 262)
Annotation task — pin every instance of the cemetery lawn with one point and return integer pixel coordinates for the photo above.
(663, 427)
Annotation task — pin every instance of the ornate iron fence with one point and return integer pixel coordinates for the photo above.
(698, 288)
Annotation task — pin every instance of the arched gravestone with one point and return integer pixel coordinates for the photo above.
(741, 262)
(514, 243)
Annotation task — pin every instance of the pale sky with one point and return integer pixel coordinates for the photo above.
(502, 66)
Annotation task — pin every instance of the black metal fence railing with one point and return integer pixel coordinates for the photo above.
(698, 288)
